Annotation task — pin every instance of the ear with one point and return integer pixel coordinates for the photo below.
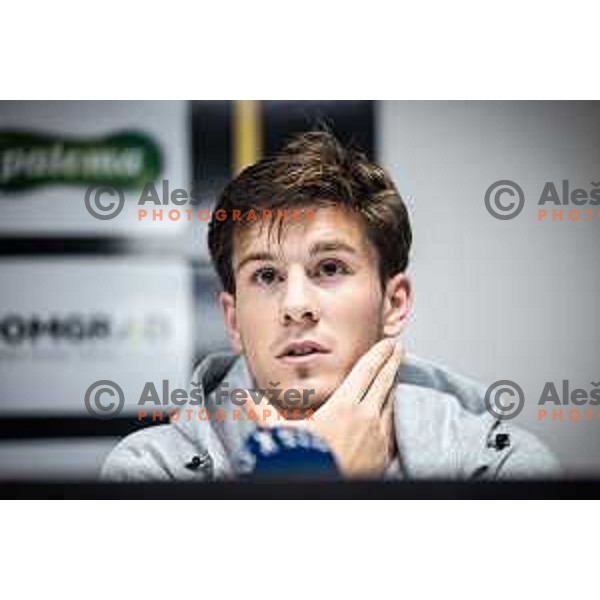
(397, 302)
(227, 302)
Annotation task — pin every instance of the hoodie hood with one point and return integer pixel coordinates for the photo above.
(431, 405)
(441, 427)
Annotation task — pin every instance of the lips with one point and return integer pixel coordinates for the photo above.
(302, 351)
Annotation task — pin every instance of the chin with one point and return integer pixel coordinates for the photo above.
(322, 392)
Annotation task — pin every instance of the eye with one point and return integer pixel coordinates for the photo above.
(266, 276)
(331, 268)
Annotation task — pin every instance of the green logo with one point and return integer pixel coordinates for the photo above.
(128, 159)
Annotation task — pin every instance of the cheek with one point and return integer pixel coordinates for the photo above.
(359, 311)
(357, 324)
(257, 328)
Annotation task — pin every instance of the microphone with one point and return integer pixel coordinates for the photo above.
(288, 453)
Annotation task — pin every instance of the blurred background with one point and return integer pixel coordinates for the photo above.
(87, 298)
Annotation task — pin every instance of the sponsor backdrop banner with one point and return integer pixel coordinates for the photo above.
(73, 168)
(67, 323)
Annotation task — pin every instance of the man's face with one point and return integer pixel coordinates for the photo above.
(308, 306)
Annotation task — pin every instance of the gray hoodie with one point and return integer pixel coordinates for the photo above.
(441, 426)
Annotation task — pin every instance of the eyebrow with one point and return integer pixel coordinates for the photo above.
(317, 248)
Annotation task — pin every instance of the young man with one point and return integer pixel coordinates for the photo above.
(311, 247)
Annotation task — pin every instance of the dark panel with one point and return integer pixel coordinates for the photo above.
(30, 246)
(423, 490)
(211, 146)
(352, 121)
(19, 428)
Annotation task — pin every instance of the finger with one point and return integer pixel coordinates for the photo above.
(360, 378)
(388, 410)
(379, 392)
(387, 424)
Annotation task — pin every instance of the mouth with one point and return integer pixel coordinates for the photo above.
(302, 352)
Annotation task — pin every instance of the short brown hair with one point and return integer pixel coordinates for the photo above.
(314, 169)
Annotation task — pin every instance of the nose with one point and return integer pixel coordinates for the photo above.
(299, 303)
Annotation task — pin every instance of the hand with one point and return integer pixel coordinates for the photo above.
(356, 421)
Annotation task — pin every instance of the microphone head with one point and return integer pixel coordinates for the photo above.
(289, 453)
